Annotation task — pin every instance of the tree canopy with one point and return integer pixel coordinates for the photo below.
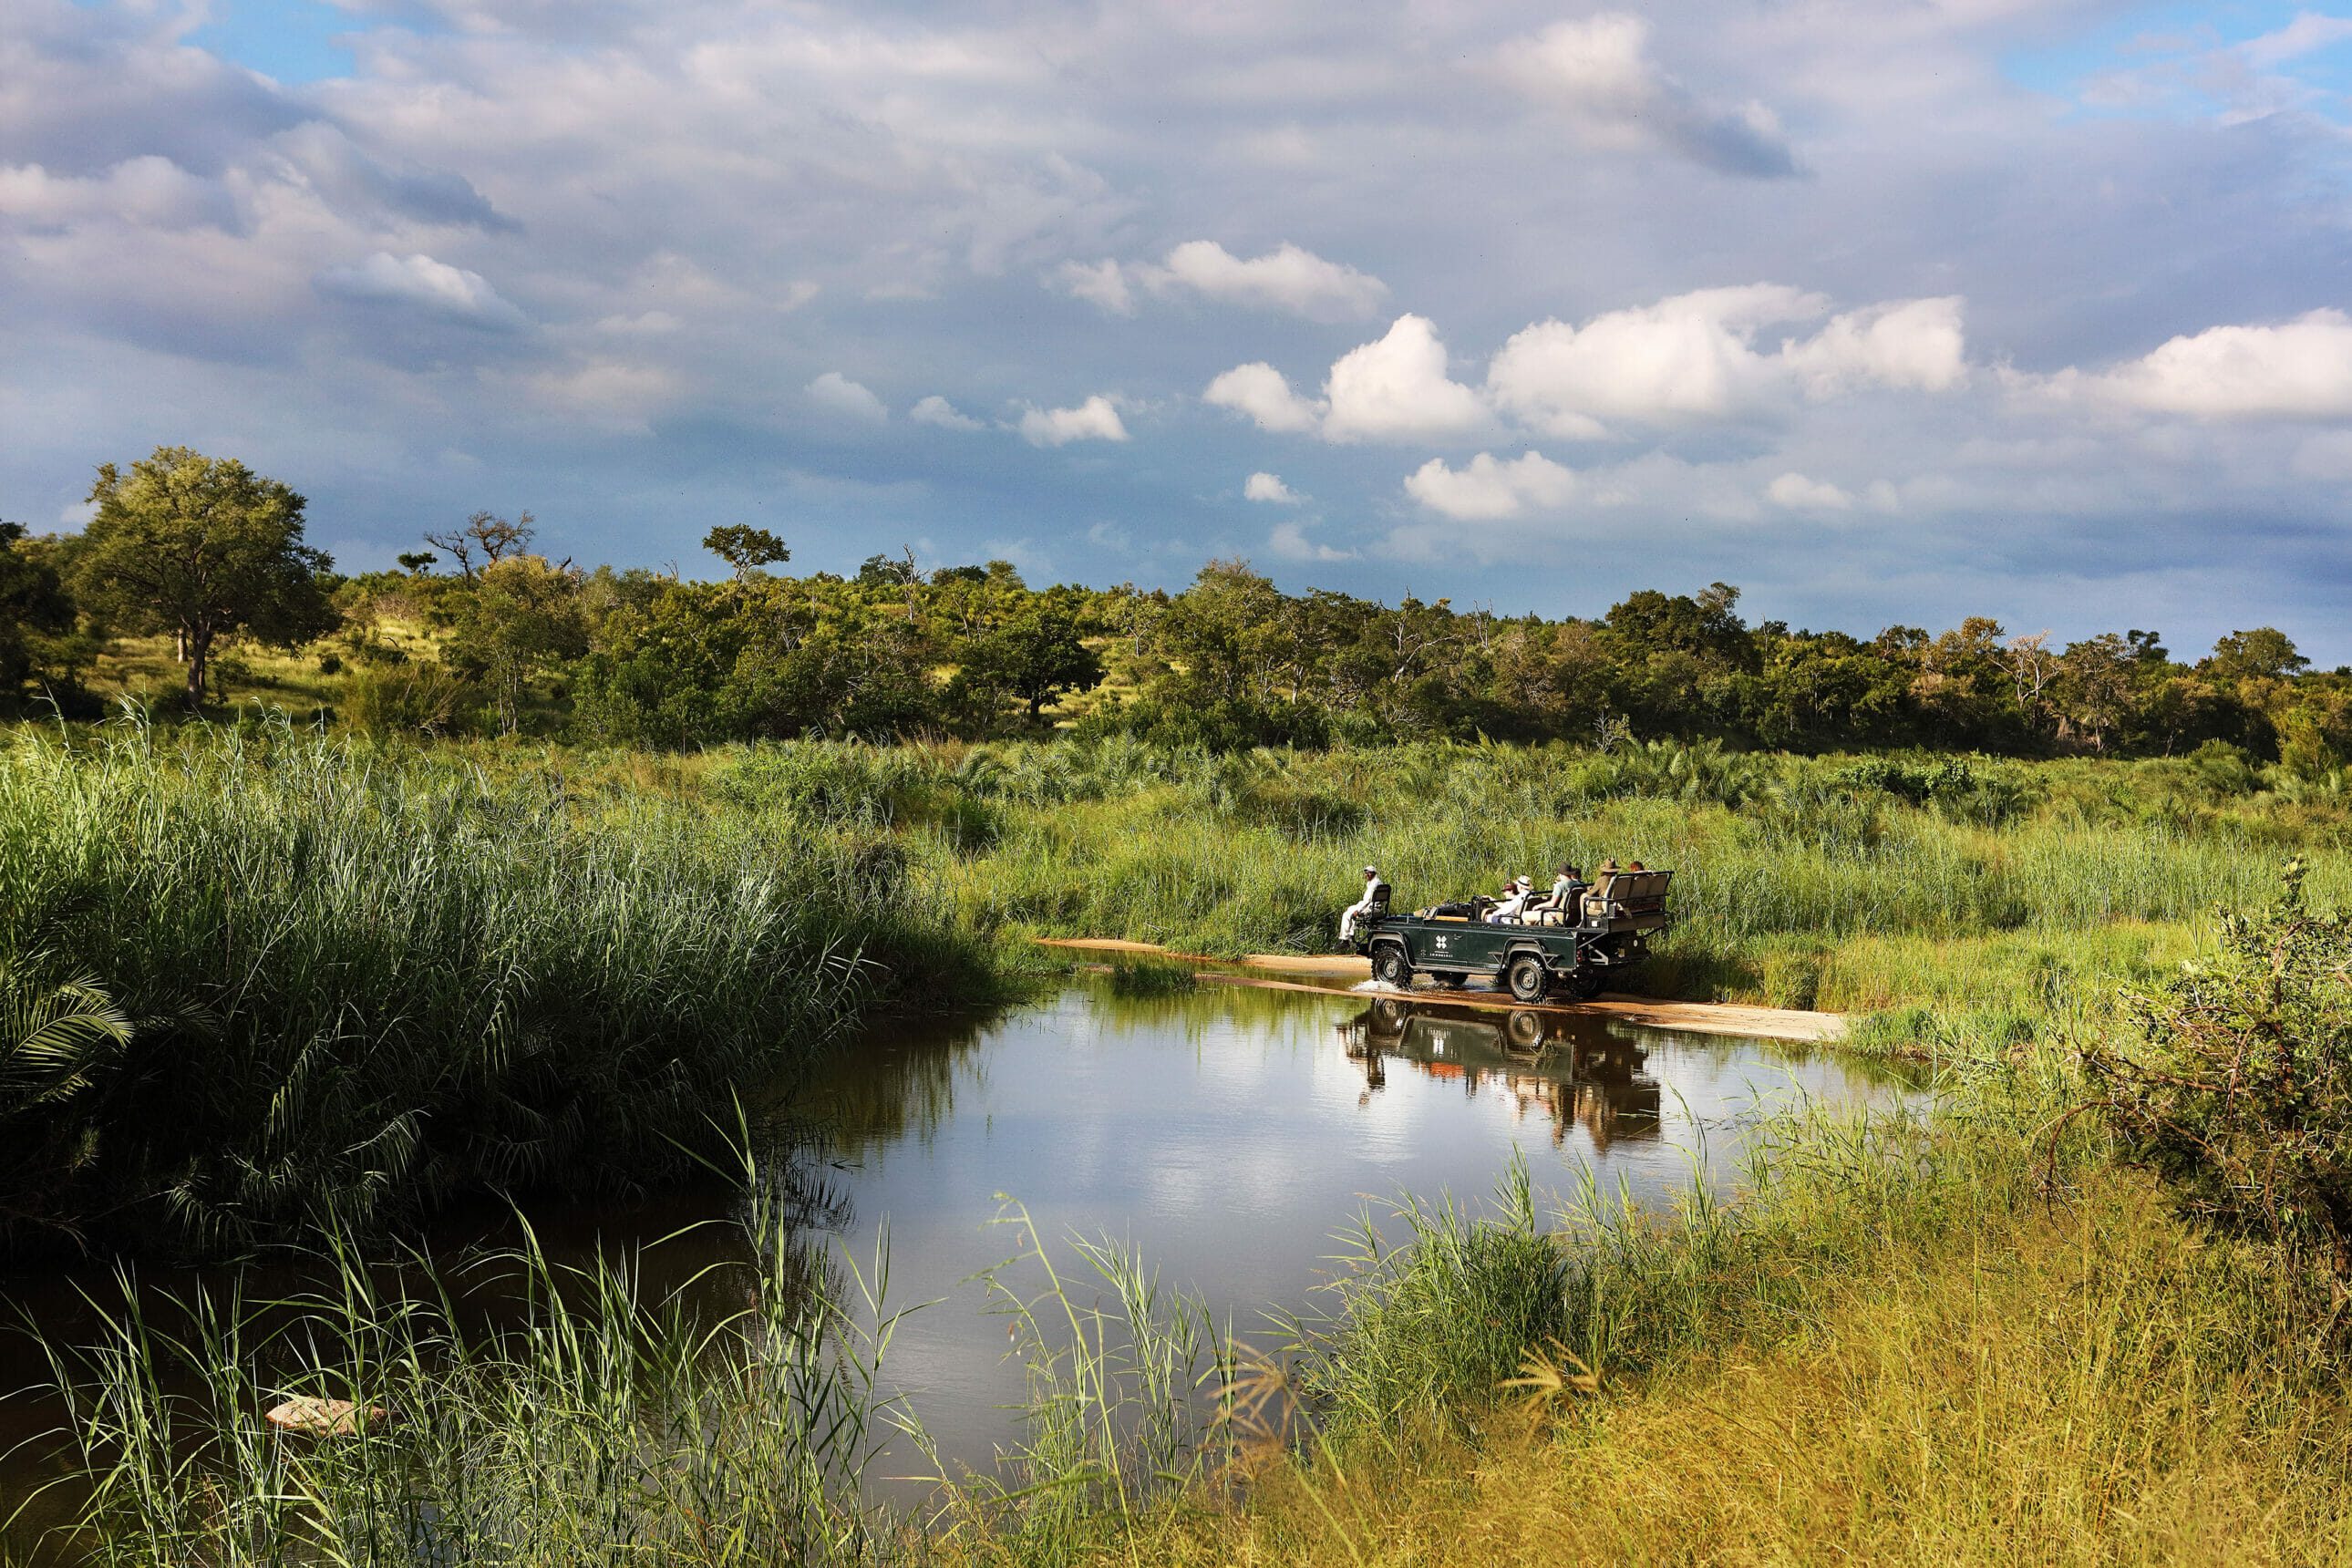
(204, 549)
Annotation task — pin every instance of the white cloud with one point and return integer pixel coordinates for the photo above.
(150, 192)
(1694, 357)
(434, 286)
(1597, 74)
(1263, 393)
(1397, 389)
(1916, 343)
(2300, 369)
(1289, 540)
(837, 393)
(1286, 279)
(1269, 488)
(937, 410)
(1799, 493)
(2307, 33)
(1485, 489)
(1092, 420)
(1100, 283)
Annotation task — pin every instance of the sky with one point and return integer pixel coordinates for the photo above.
(1887, 312)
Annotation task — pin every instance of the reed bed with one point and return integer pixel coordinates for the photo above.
(352, 984)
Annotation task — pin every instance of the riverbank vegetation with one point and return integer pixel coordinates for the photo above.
(1966, 1328)
(258, 984)
(259, 974)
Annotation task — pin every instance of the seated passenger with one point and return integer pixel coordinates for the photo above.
(1363, 906)
(1596, 901)
(1515, 902)
(1563, 901)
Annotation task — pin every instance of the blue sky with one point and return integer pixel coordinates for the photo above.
(1885, 314)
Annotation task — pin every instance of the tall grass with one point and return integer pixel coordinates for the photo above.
(573, 1418)
(360, 981)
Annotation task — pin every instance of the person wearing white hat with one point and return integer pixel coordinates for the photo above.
(1511, 907)
(1363, 906)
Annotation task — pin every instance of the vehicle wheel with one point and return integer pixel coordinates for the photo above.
(1390, 966)
(1585, 983)
(1524, 1031)
(1452, 979)
(1528, 977)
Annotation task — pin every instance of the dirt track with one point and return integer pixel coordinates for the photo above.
(1698, 1018)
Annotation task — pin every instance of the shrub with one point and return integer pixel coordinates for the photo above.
(2239, 1090)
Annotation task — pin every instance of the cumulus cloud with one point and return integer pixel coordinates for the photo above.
(1268, 486)
(1597, 74)
(2300, 369)
(450, 292)
(1263, 394)
(937, 410)
(1694, 356)
(837, 393)
(1799, 493)
(1288, 279)
(1092, 420)
(1914, 344)
(1485, 489)
(1397, 388)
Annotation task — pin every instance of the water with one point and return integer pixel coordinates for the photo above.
(1227, 1133)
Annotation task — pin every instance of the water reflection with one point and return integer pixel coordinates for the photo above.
(1548, 1068)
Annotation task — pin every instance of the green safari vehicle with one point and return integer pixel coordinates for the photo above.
(1573, 952)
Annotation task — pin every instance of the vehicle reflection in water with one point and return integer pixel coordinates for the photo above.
(1552, 1067)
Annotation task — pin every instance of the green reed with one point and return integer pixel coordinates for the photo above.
(361, 982)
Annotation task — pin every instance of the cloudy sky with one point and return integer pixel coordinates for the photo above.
(1884, 309)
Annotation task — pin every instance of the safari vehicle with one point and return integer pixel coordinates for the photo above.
(1604, 938)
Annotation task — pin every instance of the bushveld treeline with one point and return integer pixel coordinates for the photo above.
(482, 634)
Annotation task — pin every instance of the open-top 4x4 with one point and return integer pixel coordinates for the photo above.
(1575, 952)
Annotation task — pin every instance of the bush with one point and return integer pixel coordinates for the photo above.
(2238, 1087)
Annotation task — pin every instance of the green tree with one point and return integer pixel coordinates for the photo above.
(205, 549)
(745, 549)
(525, 616)
(1033, 660)
(34, 611)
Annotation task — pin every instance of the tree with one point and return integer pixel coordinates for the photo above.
(1034, 660)
(204, 548)
(525, 615)
(495, 537)
(744, 548)
(2263, 654)
(417, 563)
(34, 608)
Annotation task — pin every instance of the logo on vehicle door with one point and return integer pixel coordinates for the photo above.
(1441, 943)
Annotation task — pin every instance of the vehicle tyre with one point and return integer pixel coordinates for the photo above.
(1452, 979)
(1391, 966)
(1585, 983)
(1524, 1031)
(1528, 977)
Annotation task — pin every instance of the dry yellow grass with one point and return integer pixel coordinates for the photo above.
(2086, 1386)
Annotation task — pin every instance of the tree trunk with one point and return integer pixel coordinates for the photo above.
(198, 651)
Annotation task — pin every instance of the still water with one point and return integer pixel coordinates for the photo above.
(1226, 1134)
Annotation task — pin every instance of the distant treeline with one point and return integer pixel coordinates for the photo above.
(519, 642)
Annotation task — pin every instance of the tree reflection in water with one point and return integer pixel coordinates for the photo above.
(1568, 1070)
